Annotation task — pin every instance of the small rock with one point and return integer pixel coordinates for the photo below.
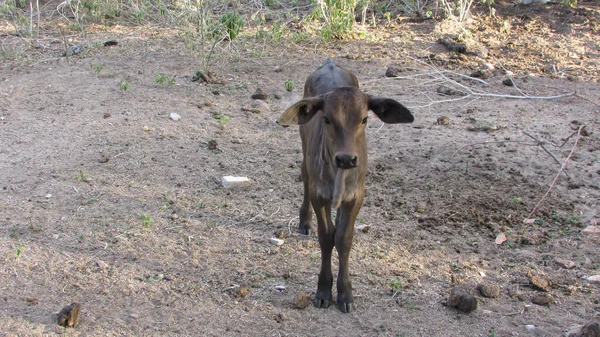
(174, 116)
(567, 264)
(445, 90)
(461, 298)
(508, 82)
(393, 71)
(31, 301)
(539, 282)
(107, 115)
(280, 234)
(110, 43)
(276, 241)
(277, 69)
(259, 94)
(444, 120)
(302, 301)
(279, 318)
(212, 144)
(69, 315)
(589, 330)
(101, 265)
(592, 231)
(489, 290)
(241, 293)
(421, 207)
(363, 228)
(529, 327)
(174, 216)
(134, 316)
(593, 278)
(232, 182)
(48, 196)
(280, 288)
(74, 50)
(542, 299)
(145, 128)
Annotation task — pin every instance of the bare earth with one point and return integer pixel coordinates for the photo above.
(108, 202)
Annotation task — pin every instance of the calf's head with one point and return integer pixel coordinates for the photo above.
(343, 113)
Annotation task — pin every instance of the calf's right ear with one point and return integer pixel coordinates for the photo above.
(301, 112)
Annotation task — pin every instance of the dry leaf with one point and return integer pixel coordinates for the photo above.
(529, 221)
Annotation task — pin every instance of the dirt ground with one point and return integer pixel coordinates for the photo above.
(107, 201)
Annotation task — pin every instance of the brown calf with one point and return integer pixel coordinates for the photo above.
(333, 118)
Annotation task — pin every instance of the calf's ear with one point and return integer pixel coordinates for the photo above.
(302, 111)
(389, 110)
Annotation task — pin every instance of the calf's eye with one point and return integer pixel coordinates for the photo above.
(326, 120)
(364, 121)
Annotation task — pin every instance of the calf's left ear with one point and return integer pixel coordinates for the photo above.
(389, 110)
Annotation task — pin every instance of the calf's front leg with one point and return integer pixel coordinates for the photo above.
(326, 232)
(344, 233)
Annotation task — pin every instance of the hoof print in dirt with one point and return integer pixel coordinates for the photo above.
(394, 71)
(302, 301)
(259, 94)
(445, 90)
(453, 46)
(461, 298)
(69, 315)
(542, 299)
(489, 290)
(588, 330)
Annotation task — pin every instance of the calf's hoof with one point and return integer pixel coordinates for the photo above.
(322, 299)
(345, 304)
(304, 229)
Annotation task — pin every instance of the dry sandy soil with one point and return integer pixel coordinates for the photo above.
(108, 202)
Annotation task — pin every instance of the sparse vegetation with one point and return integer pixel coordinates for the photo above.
(164, 80)
(82, 176)
(147, 220)
(124, 85)
(289, 84)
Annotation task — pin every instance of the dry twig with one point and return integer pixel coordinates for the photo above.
(562, 168)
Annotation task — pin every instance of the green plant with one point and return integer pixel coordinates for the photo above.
(124, 85)
(570, 3)
(232, 23)
(396, 286)
(222, 118)
(164, 80)
(147, 220)
(516, 200)
(82, 176)
(97, 67)
(19, 252)
(338, 16)
(289, 84)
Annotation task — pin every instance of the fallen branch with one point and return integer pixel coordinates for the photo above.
(562, 168)
(541, 144)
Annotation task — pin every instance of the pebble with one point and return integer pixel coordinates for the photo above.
(276, 241)
(259, 94)
(134, 316)
(539, 282)
(363, 228)
(567, 264)
(174, 116)
(593, 278)
(591, 231)
(102, 265)
(542, 299)
(69, 315)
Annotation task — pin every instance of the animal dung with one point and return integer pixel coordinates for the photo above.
(462, 299)
(232, 182)
(69, 315)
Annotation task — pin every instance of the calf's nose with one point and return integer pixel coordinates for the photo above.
(345, 161)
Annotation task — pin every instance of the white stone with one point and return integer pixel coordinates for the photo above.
(174, 116)
(231, 182)
(276, 241)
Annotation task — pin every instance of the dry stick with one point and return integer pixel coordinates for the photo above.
(541, 144)
(559, 171)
